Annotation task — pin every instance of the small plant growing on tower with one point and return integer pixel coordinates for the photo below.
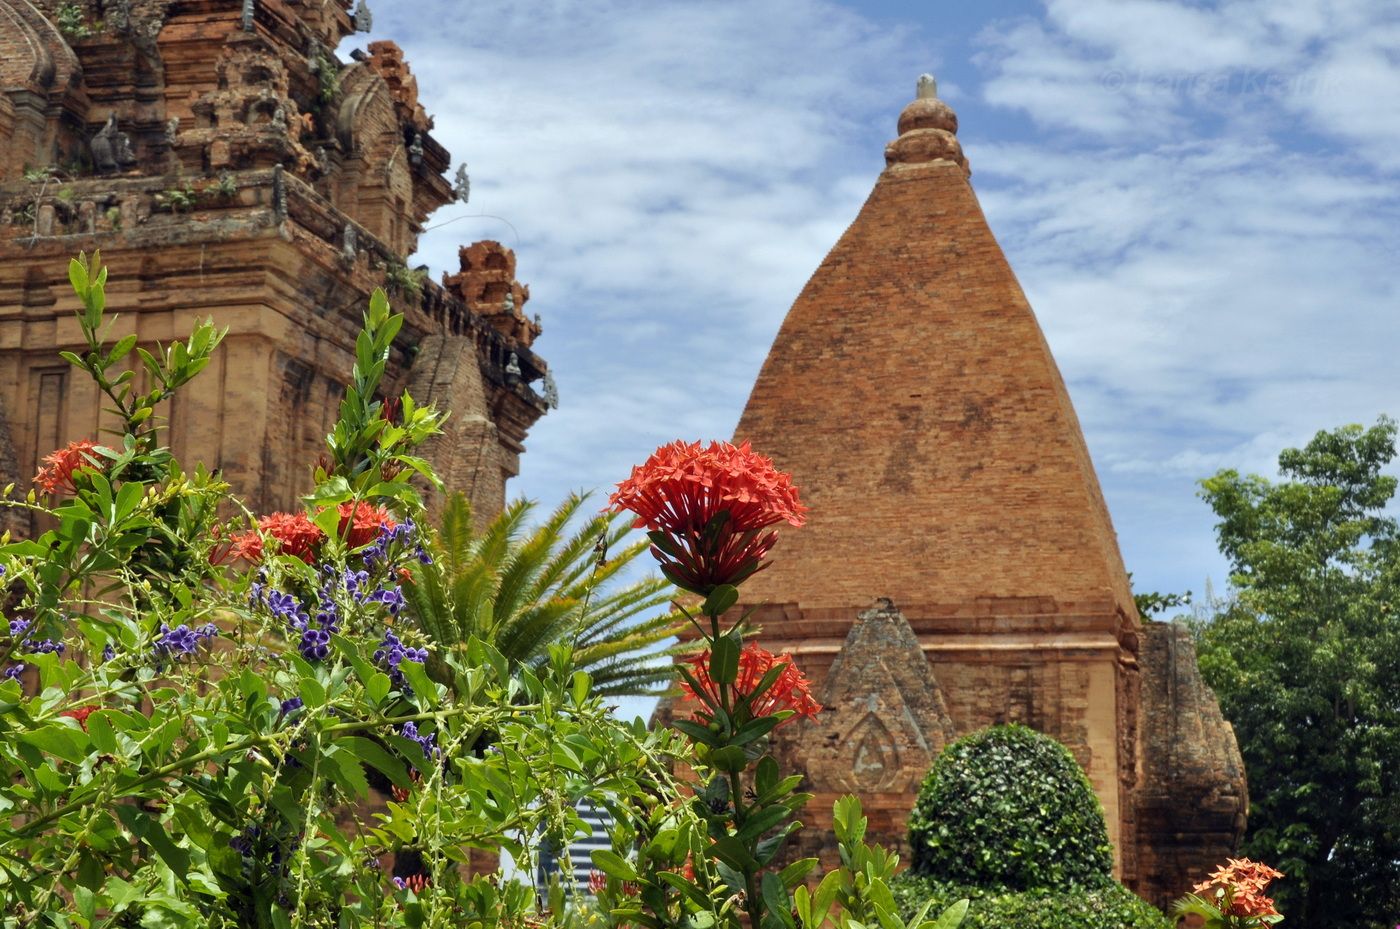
(72, 22)
(404, 280)
(178, 199)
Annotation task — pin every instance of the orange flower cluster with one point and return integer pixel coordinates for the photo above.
(1238, 888)
(363, 520)
(791, 691)
(681, 491)
(299, 537)
(60, 467)
(295, 533)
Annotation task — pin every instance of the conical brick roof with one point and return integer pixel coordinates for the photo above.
(912, 394)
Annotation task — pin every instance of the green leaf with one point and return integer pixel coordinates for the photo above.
(720, 600)
(614, 865)
(346, 771)
(173, 855)
(418, 679)
(953, 917)
(312, 692)
(724, 660)
(68, 743)
(374, 755)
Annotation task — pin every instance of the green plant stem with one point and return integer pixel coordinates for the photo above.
(736, 797)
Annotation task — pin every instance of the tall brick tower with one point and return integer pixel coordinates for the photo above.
(959, 567)
(228, 164)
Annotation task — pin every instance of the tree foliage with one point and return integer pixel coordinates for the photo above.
(1305, 659)
(526, 588)
(1009, 808)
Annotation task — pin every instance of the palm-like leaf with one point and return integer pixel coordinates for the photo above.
(524, 589)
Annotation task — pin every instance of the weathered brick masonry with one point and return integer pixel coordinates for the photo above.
(911, 393)
(228, 164)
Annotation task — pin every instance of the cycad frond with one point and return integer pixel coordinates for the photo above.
(524, 589)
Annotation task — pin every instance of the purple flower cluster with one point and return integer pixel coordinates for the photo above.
(392, 652)
(13, 672)
(19, 628)
(405, 535)
(425, 742)
(315, 642)
(182, 640)
(47, 646)
(290, 706)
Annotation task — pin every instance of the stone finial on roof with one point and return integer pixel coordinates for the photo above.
(928, 130)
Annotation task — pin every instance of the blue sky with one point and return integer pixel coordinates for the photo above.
(1200, 200)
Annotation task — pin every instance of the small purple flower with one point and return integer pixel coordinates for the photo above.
(287, 608)
(108, 652)
(291, 706)
(182, 640)
(19, 628)
(13, 672)
(425, 742)
(47, 646)
(392, 652)
(315, 644)
(399, 883)
(392, 597)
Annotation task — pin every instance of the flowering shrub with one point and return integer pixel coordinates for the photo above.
(194, 740)
(1231, 897)
(716, 857)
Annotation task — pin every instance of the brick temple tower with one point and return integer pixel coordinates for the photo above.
(959, 567)
(229, 164)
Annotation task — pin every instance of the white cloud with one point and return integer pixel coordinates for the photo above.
(1211, 248)
(1201, 208)
(674, 170)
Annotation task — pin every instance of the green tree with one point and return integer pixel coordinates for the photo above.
(523, 589)
(1306, 662)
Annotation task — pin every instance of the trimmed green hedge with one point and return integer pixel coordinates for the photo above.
(1109, 906)
(1008, 808)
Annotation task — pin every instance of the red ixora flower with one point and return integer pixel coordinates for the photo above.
(791, 691)
(295, 533)
(60, 467)
(679, 494)
(1238, 888)
(363, 521)
(81, 714)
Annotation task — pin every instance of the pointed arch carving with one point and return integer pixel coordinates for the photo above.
(374, 183)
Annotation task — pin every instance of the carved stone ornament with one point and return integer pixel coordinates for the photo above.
(364, 19)
(111, 148)
(249, 9)
(551, 391)
(462, 184)
(415, 149)
(349, 243)
(513, 372)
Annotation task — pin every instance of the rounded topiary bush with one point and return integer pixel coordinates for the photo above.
(1007, 808)
(1109, 906)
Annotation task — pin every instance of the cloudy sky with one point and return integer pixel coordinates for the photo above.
(1200, 200)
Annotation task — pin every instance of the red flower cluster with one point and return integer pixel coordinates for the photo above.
(681, 492)
(81, 714)
(295, 533)
(60, 467)
(1238, 888)
(791, 691)
(362, 520)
